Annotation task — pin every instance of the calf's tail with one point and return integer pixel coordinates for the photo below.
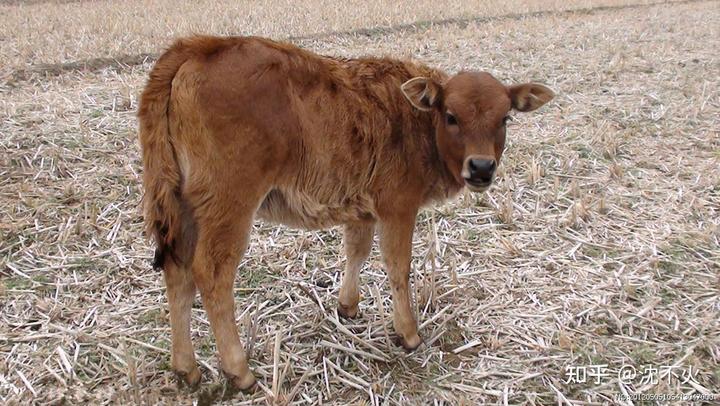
(168, 216)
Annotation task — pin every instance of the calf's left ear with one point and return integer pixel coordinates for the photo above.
(423, 93)
(530, 96)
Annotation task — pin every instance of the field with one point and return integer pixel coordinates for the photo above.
(598, 250)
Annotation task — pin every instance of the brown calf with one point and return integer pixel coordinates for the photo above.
(231, 128)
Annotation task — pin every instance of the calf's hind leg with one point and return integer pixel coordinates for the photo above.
(358, 242)
(221, 244)
(180, 290)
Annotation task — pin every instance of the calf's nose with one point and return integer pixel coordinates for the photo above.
(481, 169)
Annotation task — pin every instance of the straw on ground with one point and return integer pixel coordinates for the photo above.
(598, 246)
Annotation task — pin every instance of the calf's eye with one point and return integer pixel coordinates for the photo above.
(450, 119)
(506, 119)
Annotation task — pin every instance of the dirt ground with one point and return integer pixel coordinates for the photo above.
(597, 251)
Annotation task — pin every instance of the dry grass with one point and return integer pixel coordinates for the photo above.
(599, 245)
(48, 32)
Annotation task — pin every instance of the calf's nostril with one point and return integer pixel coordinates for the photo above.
(472, 166)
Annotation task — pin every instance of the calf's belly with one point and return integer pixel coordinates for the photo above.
(301, 210)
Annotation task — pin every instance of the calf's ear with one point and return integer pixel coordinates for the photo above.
(423, 93)
(530, 96)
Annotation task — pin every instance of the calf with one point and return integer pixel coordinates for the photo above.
(233, 128)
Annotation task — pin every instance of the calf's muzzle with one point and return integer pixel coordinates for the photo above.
(479, 170)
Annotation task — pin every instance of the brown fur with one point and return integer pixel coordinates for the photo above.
(231, 128)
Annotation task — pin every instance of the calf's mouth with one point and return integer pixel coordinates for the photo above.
(477, 185)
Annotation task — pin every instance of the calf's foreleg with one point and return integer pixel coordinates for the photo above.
(396, 246)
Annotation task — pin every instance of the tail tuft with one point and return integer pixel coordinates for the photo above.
(158, 259)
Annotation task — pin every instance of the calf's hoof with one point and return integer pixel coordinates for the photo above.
(347, 312)
(411, 343)
(191, 378)
(244, 383)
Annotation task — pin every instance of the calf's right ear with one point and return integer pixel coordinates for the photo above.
(530, 96)
(423, 93)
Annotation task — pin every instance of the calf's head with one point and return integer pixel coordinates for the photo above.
(471, 111)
